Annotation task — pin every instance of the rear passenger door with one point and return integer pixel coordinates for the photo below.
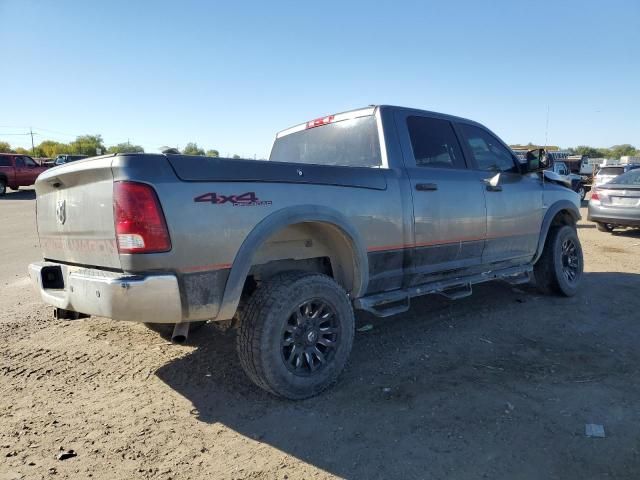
(514, 201)
(21, 171)
(448, 201)
(32, 171)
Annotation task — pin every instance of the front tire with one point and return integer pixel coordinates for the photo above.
(559, 268)
(582, 192)
(3, 187)
(296, 334)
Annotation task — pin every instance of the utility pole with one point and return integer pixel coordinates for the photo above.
(33, 149)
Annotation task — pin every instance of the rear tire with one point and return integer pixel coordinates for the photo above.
(296, 334)
(604, 227)
(3, 187)
(559, 268)
(582, 192)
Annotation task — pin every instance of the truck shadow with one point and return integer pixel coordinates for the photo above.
(449, 389)
(19, 195)
(631, 233)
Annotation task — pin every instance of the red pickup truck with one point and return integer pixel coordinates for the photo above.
(17, 171)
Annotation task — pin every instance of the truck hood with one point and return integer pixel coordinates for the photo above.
(557, 178)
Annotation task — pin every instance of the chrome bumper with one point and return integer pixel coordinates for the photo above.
(151, 298)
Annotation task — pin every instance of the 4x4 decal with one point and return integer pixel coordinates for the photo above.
(247, 199)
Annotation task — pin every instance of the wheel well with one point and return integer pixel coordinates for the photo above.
(563, 217)
(308, 246)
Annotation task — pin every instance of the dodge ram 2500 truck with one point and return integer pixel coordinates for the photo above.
(364, 209)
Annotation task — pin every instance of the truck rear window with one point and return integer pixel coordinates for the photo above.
(611, 170)
(351, 143)
(5, 162)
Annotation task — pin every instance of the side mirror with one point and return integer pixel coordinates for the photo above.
(536, 160)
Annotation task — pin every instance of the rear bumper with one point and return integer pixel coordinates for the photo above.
(149, 298)
(618, 216)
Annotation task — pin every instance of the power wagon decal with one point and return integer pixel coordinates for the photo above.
(247, 199)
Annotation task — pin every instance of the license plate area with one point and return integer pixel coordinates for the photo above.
(624, 201)
(52, 277)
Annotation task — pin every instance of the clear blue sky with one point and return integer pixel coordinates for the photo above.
(229, 74)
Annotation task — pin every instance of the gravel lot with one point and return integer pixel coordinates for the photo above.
(497, 385)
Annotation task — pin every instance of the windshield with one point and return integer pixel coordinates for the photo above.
(351, 143)
(629, 178)
(611, 171)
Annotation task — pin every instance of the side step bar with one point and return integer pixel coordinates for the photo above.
(391, 303)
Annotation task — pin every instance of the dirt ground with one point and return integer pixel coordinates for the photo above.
(497, 385)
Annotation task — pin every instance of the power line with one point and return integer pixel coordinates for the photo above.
(55, 131)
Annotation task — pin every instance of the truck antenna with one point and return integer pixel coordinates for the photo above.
(546, 130)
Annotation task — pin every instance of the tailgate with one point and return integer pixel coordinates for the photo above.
(75, 213)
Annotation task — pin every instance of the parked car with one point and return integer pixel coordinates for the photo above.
(364, 209)
(62, 159)
(606, 174)
(616, 203)
(17, 171)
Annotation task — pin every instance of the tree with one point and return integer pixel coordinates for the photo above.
(587, 151)
(618, 151)
(125, 148)
(5, 148)
(87, 145)
(23, 151)
(192, 148)
(51, 148)
(236, 156)
(213, 153)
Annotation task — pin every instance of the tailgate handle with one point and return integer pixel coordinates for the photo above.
(426, 187)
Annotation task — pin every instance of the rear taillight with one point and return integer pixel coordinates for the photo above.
(594, 195)
(139, 221)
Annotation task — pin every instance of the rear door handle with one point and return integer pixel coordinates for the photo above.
(426, 187)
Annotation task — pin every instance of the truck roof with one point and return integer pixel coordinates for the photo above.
(361, 112)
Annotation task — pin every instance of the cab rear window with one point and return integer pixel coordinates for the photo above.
(351, 143)
(611, 170)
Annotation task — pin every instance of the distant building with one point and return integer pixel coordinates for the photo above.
(626, 160)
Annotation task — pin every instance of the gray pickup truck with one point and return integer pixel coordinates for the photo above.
(364, 209)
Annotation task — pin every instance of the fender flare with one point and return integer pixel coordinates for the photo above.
(552, 211)
(273, 223)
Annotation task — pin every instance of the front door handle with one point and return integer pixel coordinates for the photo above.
(426, 187)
